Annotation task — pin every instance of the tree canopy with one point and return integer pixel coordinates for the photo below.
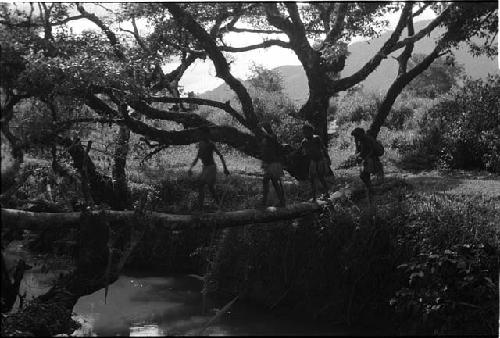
(116, 75)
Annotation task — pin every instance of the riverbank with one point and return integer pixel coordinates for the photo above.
(427, 262)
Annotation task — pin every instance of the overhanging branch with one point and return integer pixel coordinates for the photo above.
(220, 62)
(188, 120)
(385, 50)
(424, 31)
(226, 106)
(264, 44)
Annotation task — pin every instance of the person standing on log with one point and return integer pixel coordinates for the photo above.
(208, 176)
(368, 151)
(272, 167)
(319, 160)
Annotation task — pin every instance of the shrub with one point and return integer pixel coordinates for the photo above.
(397, 118)
(463, 130)
(356, 107)
(450, 277)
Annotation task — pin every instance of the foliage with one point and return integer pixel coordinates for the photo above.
(357, 106)
(462, 131)
(446, 247)
(451, 280)
(436, 80)
(273, 106)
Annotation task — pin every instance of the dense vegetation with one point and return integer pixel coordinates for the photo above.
(428, 260)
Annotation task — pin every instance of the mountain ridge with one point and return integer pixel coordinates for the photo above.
(295, 80)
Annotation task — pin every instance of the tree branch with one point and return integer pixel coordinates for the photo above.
(421, 10)
(29, 23)
(406, 54)
(296, 34)
(338, 25)
(109, 34)
(264, 44)
(397, 87)
(138, 38)
(255, 31)
(385, 50)
(424, 31)
(220, 62)
(188, 120)
(226, 106)
(229, 135)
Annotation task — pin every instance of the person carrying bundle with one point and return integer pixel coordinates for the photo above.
(368, 151)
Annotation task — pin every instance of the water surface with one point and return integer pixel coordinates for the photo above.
(172, 305)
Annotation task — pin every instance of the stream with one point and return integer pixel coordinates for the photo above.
(144, 304)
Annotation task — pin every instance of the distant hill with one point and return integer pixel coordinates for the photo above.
(295, 81)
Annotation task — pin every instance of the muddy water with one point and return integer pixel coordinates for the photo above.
(172, 305)
(151, 305)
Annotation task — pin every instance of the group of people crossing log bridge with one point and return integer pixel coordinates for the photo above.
(368, 151)
(273, 155)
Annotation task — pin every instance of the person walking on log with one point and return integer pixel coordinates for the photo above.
(368, 151)
(272, 167)
(319, 160)
(208, 176)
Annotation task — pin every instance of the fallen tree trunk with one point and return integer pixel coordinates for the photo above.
(218, 220)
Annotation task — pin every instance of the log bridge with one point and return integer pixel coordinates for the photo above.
(215, 220)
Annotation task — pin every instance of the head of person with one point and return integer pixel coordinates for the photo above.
(205, 132)
(358, 133)
(307, 130)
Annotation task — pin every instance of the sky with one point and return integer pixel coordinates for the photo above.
(200, 76)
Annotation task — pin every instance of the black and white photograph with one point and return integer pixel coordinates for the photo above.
(182, 168)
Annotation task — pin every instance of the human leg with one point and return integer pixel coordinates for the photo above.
(211, 188)
(265, 188)
(313, 173)
(201, 194)
(209, 175)
(322, 171)
(324, 184)
(278, 187)
(379, 169)
(365, 177)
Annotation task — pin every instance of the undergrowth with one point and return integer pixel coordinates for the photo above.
(428, 260)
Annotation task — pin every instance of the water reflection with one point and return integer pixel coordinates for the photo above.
(159, 306)
(151, 330)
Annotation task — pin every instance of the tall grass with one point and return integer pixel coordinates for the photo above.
(429, 260)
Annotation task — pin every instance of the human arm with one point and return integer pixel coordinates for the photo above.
(222, 160)
(324, 150)
(357, 152)
(190, 172)
(303, 147)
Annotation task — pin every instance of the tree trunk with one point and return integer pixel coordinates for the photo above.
(102, 188)
(397, 87)
(315, 110)
(119, 165)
